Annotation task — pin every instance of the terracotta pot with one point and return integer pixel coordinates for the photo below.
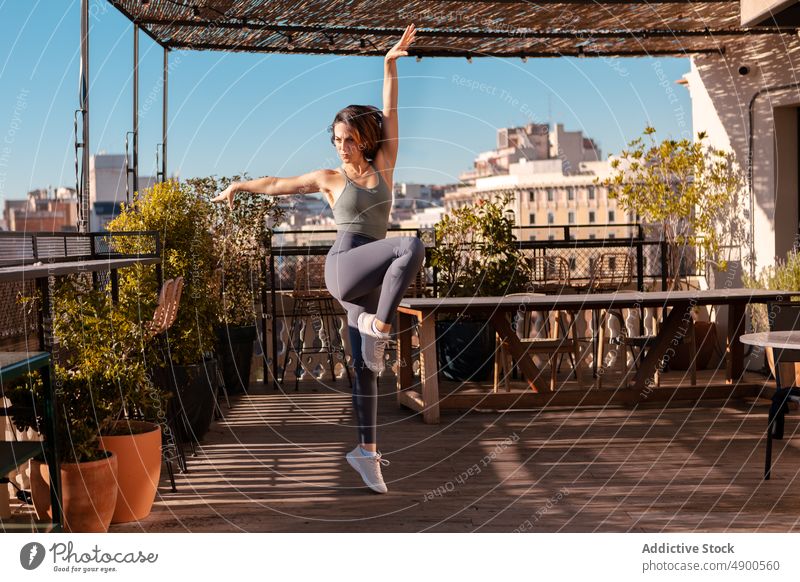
(88, 491)
(139, 469)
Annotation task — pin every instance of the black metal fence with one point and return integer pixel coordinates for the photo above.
(25, 248)
(19, 305)
(647, 257)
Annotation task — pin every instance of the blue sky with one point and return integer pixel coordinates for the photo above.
(268, 114)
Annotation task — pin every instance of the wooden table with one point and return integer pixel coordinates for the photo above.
(424, 396)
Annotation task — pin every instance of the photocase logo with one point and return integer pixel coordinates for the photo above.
(31, 555)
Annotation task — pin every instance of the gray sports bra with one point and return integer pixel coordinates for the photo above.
(363, 210)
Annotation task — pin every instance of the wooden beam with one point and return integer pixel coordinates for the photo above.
(666, 336)
(405, 376)
(531, 371)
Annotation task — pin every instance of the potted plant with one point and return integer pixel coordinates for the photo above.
(241, 239)
(104, 378)
(85, 388)
(693, 192)
(183, 220)
(99, 334)
(476, 254)
(689, 189)
(784, 275)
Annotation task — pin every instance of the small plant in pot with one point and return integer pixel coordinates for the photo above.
(241, 241)
(183, 220)
(784, 275)
(85, 389)
(476, 254)
(103, 380)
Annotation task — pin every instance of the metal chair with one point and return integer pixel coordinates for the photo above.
(312, 301)
(549, 274)
(783, 316)
(611, 272)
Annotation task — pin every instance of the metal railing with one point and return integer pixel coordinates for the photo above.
(26, 248)
(649, 257)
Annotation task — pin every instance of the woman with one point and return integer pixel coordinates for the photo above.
(367, 273)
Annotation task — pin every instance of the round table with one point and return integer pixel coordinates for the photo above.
(777, 340)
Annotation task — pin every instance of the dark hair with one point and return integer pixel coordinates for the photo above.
(365, 121)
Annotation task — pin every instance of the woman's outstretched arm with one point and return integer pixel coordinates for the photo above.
(389, 144)
(310, 183)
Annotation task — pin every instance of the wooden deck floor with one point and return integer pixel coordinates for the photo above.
(276, 464)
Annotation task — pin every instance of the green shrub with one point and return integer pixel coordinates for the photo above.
(183, 221)
(476, 252)
(241, 240)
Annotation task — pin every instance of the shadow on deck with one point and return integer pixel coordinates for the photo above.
(276, 464)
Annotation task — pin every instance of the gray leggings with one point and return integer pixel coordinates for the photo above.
(368, 275)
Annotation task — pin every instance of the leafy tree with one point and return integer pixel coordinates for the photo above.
(692, 190)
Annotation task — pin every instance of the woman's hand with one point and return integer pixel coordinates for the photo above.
(400, 49)
(227, 194)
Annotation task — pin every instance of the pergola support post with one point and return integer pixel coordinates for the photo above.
(83, 98)
(164, 117)
(135, 168)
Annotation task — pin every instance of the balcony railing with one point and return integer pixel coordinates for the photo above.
(26, 248)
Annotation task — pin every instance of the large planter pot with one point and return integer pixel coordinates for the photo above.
(235, 352)
(88, 491)
(139, 468)
(705, 338)
(465, 349)
(194, 393)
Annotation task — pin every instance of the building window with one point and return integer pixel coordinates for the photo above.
(532, 219)
(590, 192)
(549, 194)
(572, 263)
(570, 193)
(550, 218)
(531, 196)
(551, 237)
(571, 217)
(592, 236)
(611, 217)
(611, 235)
(591, 216)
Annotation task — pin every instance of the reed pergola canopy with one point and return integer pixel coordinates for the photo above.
(454, 28)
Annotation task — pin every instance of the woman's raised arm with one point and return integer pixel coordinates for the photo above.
(310, 183)
(389, 144)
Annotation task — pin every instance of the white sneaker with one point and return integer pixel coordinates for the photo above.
(369, 467)
(373, 344)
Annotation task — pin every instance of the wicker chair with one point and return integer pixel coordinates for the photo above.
(163, 317)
